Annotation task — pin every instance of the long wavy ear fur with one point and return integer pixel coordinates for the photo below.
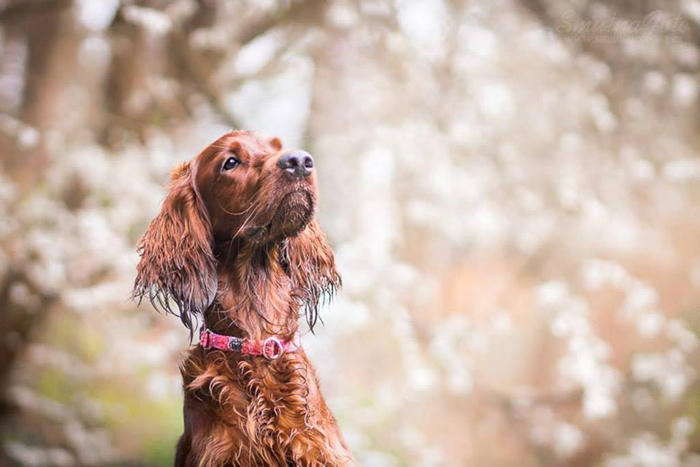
(311, 266)
(177, 264)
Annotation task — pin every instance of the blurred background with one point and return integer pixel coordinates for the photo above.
(511, 188)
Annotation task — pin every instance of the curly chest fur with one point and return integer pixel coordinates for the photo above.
(250, 411)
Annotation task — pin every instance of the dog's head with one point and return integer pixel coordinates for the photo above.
(246, 189)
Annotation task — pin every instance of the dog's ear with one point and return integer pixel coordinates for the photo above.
(311, 265)
(177, 263)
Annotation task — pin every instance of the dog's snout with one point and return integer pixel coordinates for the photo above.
(299, 164)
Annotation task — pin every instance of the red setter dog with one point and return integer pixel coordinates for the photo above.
(237, 245)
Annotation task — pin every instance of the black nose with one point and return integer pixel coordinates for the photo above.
(297, 163)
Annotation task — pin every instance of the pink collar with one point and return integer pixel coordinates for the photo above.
(271, 348)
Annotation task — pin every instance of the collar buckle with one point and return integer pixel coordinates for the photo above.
(277, 348)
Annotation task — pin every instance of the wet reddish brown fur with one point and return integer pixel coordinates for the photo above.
(242, 250)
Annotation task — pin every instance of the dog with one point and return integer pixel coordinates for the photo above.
(237, 246)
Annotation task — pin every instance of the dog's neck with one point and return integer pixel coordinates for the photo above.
(254, 297)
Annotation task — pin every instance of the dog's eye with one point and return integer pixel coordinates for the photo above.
(231, 163)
